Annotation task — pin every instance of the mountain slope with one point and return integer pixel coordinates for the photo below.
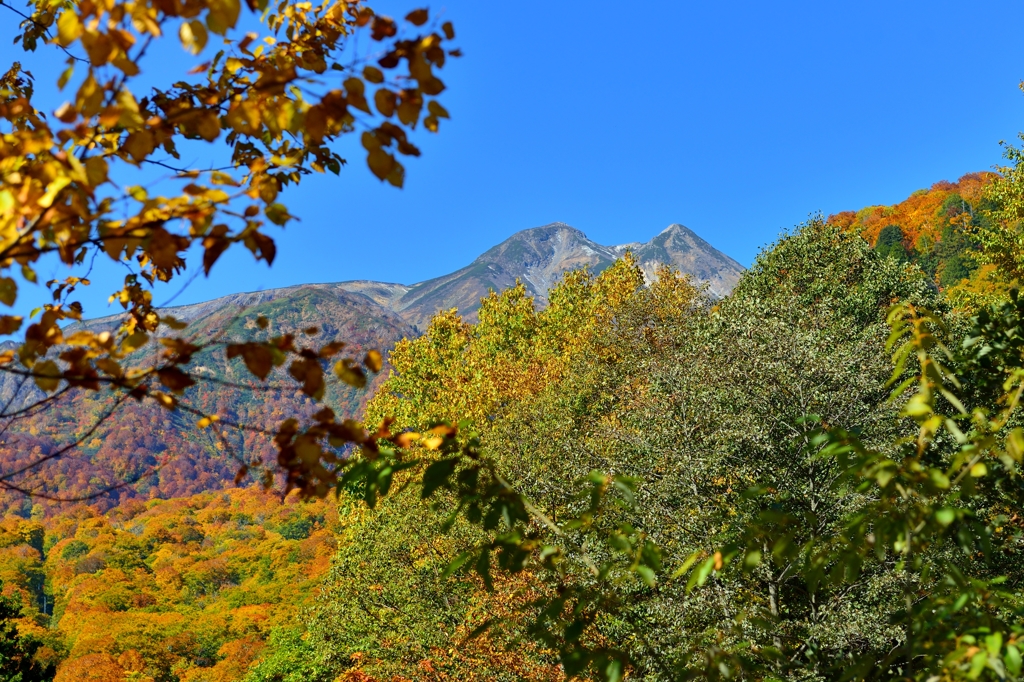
(167, 457)
(538, 257)
(681, 248)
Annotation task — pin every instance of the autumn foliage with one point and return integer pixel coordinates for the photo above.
(268, 108)
(185, 589)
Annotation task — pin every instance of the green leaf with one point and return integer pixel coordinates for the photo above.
(651, 554)
(945, 516)
(613, 671)
(384, 478)
(278, 214)
(437, 475)
(939, 479)
(647, 575)
(700, 576)
(1012, 660)
(483, 569)
(978, 662)
(994, 643)
(8, 291)
(455, 564)
(690, 561)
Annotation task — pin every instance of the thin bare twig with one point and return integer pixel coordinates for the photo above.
(46, 32)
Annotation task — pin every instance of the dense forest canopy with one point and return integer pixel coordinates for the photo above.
(814, 476)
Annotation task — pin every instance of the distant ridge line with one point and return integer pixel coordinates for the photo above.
(537, 256)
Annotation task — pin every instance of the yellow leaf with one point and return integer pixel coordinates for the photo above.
(308, 372)
(380, 162)
(222, 178)
(127, 66)
(173, 322)
(208, 125)
(349, 373)
(315, 124)
(134, 342)
(8, 291)
(409, 108)
(385, 101)
(1015, 445)
(206, 421)
(80, 338)
(69, 28)
(96, 170)
(223, 15)
(417, 17)
(52, 190)
(110, 366)
(10, 323)
(139, 145)
(165, 400)
(174, 379)
(355, 89)
(374, 361)
(47, 375)
(437, 110)
(129, 117)
(244, 117)
(397, 175)
(193, 36)
(89, 98)
(66, 113)
(258, 358)
(65, 76)
(405, 440)
(99, 47)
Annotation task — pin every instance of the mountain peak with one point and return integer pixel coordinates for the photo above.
(543, 231)
(558, 224)
(539, 256)
(680, 247)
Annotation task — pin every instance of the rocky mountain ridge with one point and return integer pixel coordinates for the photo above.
(536, 256)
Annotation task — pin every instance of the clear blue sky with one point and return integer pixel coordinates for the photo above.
(737, 119)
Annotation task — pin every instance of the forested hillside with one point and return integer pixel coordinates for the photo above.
(566, 461)
(144, 452)
(937, 230)
(710, 421)
(184, 589)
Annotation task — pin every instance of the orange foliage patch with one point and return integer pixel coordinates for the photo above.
(919, 215)
(144, 589)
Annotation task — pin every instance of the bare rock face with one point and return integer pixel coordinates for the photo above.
(679, 247)
(538, 257)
